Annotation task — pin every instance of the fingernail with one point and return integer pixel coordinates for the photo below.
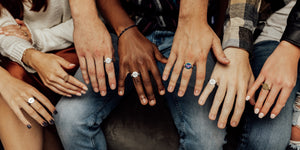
(273, 116)
(78, 94)
(256, 111)
(212, 116)
(233, 123)
(221, 125)
(162, 92)
(113, 86)
(55, 112)
(83, 92)
(103, 93)
(71, 65)
(261, 115)
(226, 59)
(152, 102)
(69, 95)
(201, 102)
(144, 100)
(121, 93)
(180, 93)
(96, 90)
(165, 77)
(51, 122)
(45, 124)
(247, 98)
(85, 88)
(170, 88)
(197, 92)
(29, 126)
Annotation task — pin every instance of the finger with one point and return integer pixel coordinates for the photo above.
(175, 74)
(54, 89)
(83, 68)
(251, 82)
(32, 113)
(227, 107)
(44, 100)
(159, 56)
(281, 101)
(261, 99)
(10, 27)
(168, 67)
(65, 64)
(42, 111)
(208, 89)
(121, 82)
(72, 80)
(218, 51)
(239, 105)
(20, 22)
(139, 87)
(185, 78)
(22, 118)
(92, 73)
(200, 77)
(110, 71)
(157, 78)
(100, 75)
(148, 86)
(62, 86)
(260, 79)
(218, 99)
(269, 101)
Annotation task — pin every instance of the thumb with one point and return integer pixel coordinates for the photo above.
(65, 64)
(218, 51)
(20, 22)
(159, 56)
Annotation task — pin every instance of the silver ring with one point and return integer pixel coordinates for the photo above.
(108, 60)
(30, 100)
(212, 81)
(135, 74)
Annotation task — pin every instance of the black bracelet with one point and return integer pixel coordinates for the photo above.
(126, 30)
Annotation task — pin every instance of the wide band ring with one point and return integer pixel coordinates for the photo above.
(265, 86)
(188, 66)
(66, 78)
(30, 100)
(212, 81)
(135, 74)
(108, 60)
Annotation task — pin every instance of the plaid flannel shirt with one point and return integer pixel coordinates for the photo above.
(240, 23)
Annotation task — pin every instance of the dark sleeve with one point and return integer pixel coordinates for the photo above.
(292, 31)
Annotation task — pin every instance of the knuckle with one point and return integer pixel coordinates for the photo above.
(290, 84)
(101, 75)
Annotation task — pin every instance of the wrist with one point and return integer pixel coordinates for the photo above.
(290, 49)
(234, 53)
(29, 57)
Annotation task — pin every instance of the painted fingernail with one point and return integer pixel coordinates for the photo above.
(162, 92)
(51, 122)
(197, 92)
(83, 92)
(261, 115)
(247, 98)
(96, 90)
(165, 77)
(113, 86)
(85, 88)
(78, 94)
(121, 93)
(69, 95)
(55, 112)
(256, 111)
(170, 88)
(152, 102)
(273, 116)
(45, 124)
(233, 123)
(144, 101)
(180, 93)
(71, 65)
(103, 93)
(29, 126)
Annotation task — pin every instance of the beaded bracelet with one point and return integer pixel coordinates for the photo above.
(126, 30)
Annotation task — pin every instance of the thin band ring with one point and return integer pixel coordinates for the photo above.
(135, 74)
(30, 100)
(188, 65)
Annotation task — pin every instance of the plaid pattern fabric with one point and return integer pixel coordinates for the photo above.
(240, 23)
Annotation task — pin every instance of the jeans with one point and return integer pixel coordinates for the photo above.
(79, 118)
(266, 133)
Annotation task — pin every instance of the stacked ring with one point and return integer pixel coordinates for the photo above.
(212, 81)
(188, 65)
(108, 60)
(135, 74)
(30, 100)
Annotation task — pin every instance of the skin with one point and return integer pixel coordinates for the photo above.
(136, 53)
(93, 45)
(280, 73)
(233, 81)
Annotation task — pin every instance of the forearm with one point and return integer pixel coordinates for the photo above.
(193, 10)
(117, 18)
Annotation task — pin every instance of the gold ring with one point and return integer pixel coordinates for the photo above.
(265, 86)
(25, 34)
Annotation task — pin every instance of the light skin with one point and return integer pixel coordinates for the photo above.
(233, 81)
(93, 45)
(280, 73)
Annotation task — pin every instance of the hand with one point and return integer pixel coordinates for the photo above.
(280, 74)
(16, 94)
(192, 43)
(138, 54)
(19, 30)
(233, 81)
(50, 68)
(93, 45)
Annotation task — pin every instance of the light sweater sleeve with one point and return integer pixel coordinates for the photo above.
(54, 38)
(11, 46)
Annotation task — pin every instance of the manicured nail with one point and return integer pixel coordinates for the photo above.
(83, 92)
(261, 115)
(103, 93)
(152, 102)
(165, 77)
(247, 98)
(71, 65)
(170, 88)
(256, 111)
(78, 94)
(233, 123)
(55, 112)
(85, 88)
(45, 124)
(96, 90)
(51, 122)
(144, 100)
(113, 86)
(121, 93)
(29, 126)
(162, 92)
(273, 116)
(212, 116)
(69, 95)
(201, 101)
(197, 92)
(180, 93)
(221, 125)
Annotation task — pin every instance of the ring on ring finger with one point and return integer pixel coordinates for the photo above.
(135, 74)
(108, 60)
(188, 66)
(30, 100)
(212, 82)
(265, 86)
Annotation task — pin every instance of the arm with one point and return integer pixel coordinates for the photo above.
(234, 79)
(93, 45)
(136, 53)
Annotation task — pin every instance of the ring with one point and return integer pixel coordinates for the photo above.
(108, 60)
(265, 86)
(212, 81)
(25, 34)
(188, 65)
(66, 78)
(135, 74)
(30, 100)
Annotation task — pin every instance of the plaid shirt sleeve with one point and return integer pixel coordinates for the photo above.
(240, 23)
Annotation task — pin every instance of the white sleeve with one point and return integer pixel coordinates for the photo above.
(11, 46)
(54, 38)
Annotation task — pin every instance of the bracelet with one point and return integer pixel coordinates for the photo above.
(126, 30)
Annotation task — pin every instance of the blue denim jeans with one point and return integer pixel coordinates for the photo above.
(266, 133)
(79, 118)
